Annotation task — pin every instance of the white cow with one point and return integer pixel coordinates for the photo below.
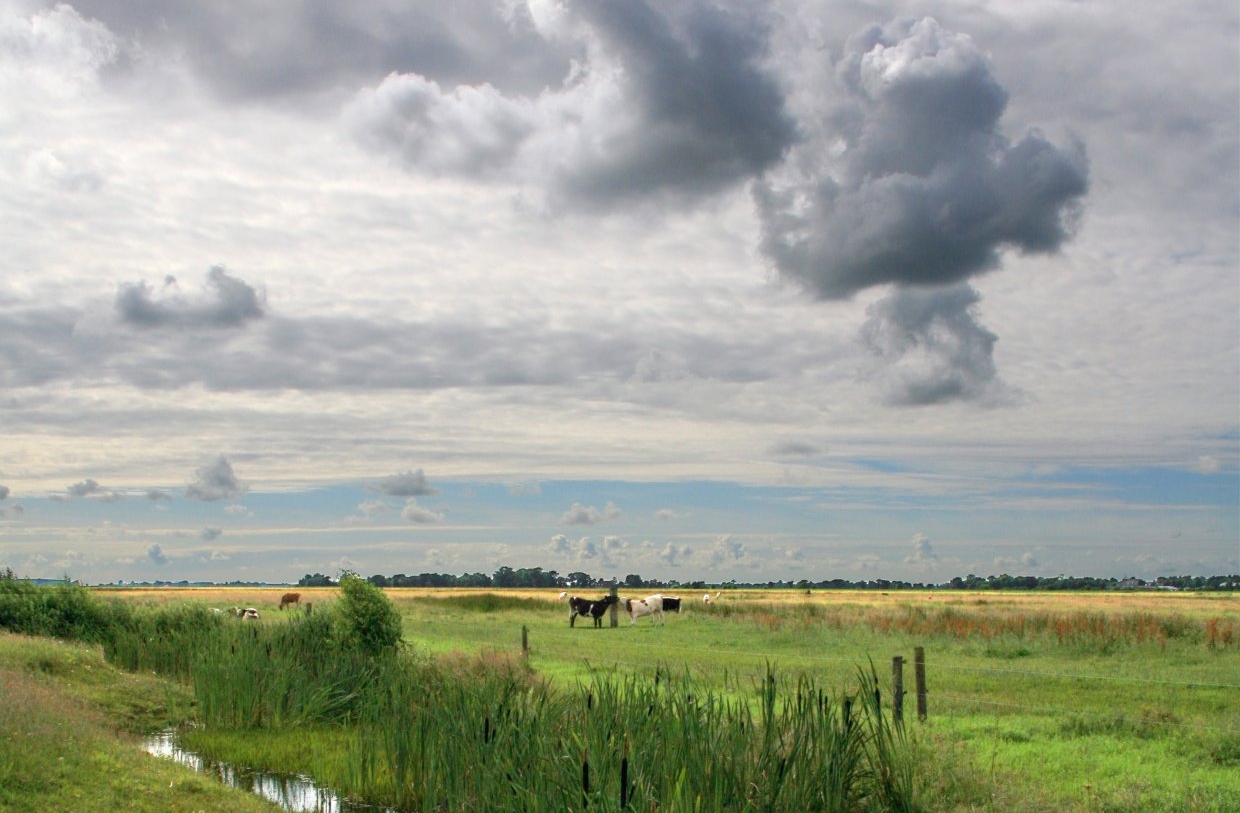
(653, 606)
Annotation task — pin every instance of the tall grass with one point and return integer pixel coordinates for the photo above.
(429, 741)
(161, 639)
(981, 621)
(263, 676)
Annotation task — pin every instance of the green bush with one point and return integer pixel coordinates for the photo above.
(367, 619)
(59, 611)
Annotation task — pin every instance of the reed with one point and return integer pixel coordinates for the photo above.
(291, 674)
(426, 741)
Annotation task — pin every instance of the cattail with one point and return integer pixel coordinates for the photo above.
(624, 781)
(585, 780)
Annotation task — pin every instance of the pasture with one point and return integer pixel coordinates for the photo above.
(1036, 701)
(1124, 701)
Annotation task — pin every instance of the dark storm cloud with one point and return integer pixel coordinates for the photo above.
(690, 109)
(215, 482)
(226, 302)
(704, 111)
(931, 348)
(156, 554)
(251, 49)
(913, 183)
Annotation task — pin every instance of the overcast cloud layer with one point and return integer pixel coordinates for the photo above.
(696, 290)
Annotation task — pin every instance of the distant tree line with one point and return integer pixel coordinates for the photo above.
(537, 577)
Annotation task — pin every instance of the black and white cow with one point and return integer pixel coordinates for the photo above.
(595, 608)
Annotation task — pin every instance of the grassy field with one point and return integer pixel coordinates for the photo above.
(1089, 701)
(1037, 701)
(70, 727)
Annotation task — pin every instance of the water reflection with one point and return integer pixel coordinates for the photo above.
(294, 793)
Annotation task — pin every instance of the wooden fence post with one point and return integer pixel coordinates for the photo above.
(525, 642)
(919, 674)
(897, 689)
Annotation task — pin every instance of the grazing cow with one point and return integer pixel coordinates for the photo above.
(652, 606)
(289, 598)
(249, 614)
(563, 595)
(584, 606)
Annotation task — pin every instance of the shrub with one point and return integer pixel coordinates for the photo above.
(60, 611)
(368, 621)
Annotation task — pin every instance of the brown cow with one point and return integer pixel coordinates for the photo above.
(289, 598)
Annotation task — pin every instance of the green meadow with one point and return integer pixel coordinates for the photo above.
(760, 700)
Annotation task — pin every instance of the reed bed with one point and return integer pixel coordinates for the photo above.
(267, 676)
(510, 742)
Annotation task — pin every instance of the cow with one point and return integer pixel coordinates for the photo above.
(289, 598)
(653, 606)
(593, 608)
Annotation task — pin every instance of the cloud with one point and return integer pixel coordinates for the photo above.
(669, 100)
(156, 495)
(726, 550)
(1205, 464)
(923, 552)
(794, 448)
(215, 482)
(61, 52)
(693, 109)
(226, 302)
(84, 489)
(672, 554)
(369, 508)
(465, 131)
(156, 554)
(579, 514)
(911, 182)
(416, 513)
(585, 550)
(408, 484)
(930, 348)
(1025, 560)
(297, 50)
(210, 534)
(668, 515)
(4, 492)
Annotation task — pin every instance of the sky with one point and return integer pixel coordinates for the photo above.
(747, 290)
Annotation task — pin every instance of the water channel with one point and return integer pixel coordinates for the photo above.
(298, 794)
